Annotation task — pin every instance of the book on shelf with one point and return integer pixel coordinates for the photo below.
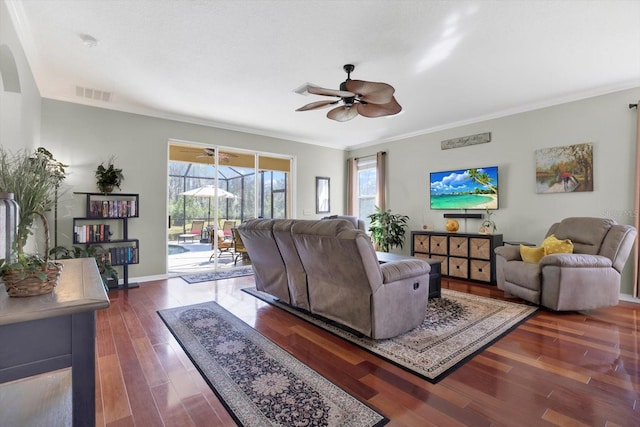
(123, 255)
(92, 233)
(112, 208)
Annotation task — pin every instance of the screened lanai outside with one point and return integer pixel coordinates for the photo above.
(250, 185)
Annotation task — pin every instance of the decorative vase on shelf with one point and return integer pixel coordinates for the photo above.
(488, 226)
(452, 225)
(484, 230)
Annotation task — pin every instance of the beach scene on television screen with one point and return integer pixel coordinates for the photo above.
(465, 189)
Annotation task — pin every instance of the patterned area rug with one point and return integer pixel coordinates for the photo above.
(260, 383)
(457, 326)
(217, 275)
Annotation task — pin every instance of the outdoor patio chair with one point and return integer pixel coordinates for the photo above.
(226, 228)
(225, 245)
(238, 246)
(196, 231)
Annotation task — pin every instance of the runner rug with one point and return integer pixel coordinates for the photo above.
(456, 327)
(217, 275)
(258, 382)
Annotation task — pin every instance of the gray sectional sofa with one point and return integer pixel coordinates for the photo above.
(329, 268)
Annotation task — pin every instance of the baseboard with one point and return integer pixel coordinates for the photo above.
(629, 298)
(150, 278)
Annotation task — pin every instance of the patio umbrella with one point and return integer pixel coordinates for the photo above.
(209, 191)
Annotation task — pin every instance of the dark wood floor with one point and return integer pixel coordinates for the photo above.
(569, 369)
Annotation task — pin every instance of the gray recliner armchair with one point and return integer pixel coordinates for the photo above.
(586, 279)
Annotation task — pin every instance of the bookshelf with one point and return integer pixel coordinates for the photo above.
(106, 223)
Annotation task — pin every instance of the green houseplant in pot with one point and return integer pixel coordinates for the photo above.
(108, 274)
(34, 180)
(387, 229)
(108, 176)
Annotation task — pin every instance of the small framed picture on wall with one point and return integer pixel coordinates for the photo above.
(323, 202)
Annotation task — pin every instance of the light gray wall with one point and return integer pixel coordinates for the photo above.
(83, 137)
(606, 121)
(19, 106)
(19, 112)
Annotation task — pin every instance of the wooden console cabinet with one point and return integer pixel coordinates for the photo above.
(46, 333)
(464, 256)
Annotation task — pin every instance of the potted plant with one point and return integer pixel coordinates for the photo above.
(34, 180)
(108, 177)
(387, 229)
(488, 226)
(108, 274)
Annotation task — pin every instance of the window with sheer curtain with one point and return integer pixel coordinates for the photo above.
(366, 185)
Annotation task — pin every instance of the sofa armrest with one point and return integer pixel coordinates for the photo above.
(400, 303)
(576, 261)
(509, 253)
(403, 269)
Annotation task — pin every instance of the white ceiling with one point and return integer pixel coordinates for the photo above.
(235, 64)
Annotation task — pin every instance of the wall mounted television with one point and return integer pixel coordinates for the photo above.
(475, 188)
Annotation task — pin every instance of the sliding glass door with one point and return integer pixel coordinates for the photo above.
(222, 187)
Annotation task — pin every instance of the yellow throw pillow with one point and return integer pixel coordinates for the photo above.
(531, 254)
(552, 245)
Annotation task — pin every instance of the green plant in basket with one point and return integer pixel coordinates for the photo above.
(25, 266)
(30, 274)
(34, 179)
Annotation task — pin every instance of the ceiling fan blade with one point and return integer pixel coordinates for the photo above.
(379, 110)
(316, 105)
(342, 113)
(329, 92)
(371, 92)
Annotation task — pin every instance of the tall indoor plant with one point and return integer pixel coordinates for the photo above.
(34, 179)
(387, 229)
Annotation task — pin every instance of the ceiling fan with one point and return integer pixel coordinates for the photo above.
(209, 152)
(369, 99)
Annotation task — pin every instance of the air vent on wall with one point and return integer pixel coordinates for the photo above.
(99, 95)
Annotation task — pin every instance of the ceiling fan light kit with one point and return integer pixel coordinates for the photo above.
(359, 97)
